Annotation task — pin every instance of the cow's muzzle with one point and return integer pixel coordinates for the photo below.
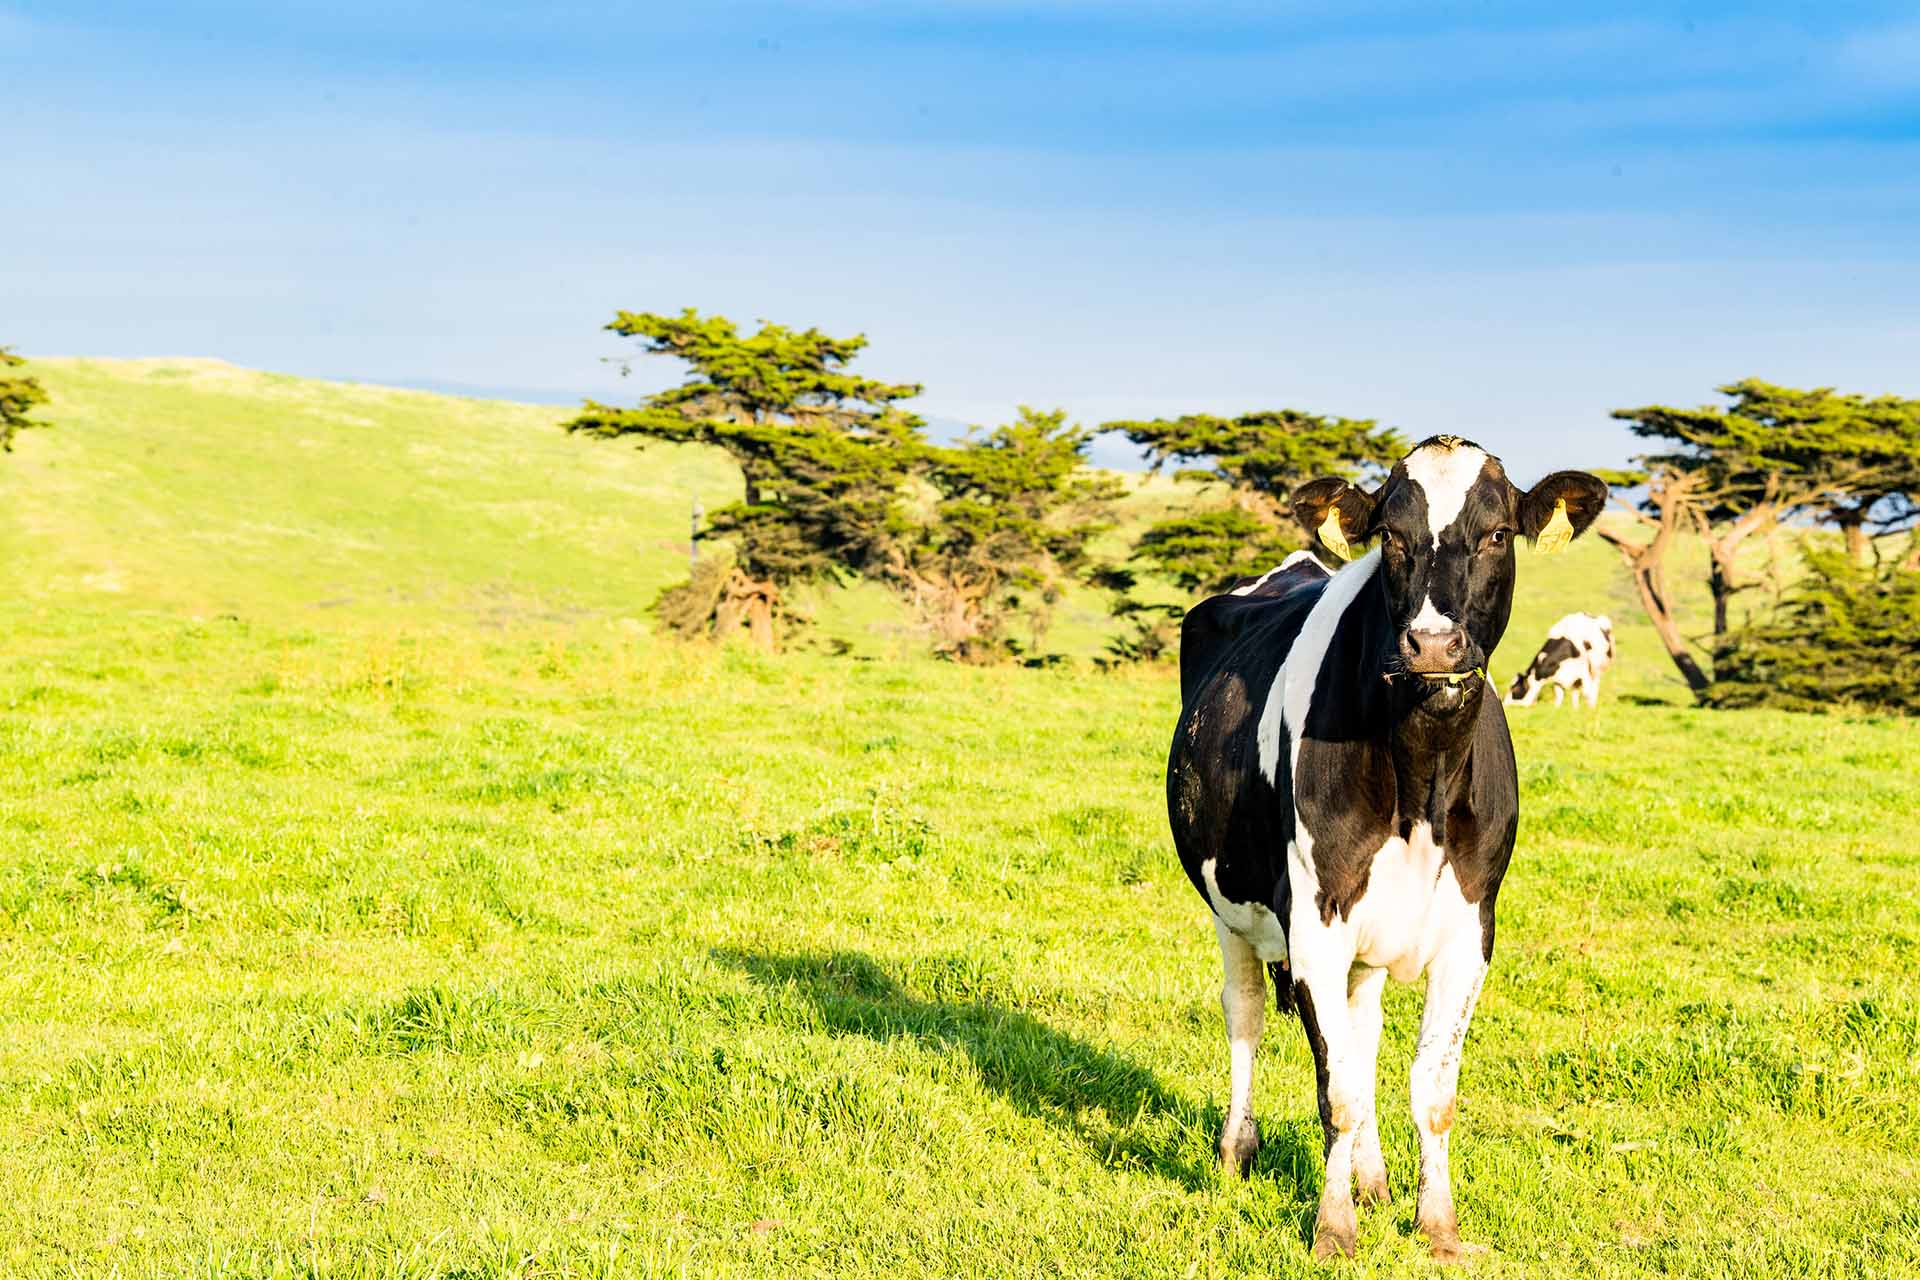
(1434, 652)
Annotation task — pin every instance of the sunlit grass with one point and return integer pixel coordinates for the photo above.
(446, 955)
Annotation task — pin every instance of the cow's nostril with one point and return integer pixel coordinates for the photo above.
(1433, 650)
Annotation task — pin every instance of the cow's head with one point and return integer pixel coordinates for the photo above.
(1446, 518)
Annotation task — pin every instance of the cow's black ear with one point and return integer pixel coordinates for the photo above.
(1352, 509)
(1579, 496)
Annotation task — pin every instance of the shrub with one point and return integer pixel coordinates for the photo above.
(1847, 634)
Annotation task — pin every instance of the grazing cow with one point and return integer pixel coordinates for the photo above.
(1342, 793)
(1578, 651)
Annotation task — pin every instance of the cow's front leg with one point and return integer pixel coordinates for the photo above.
(1243, 999)
(1453, 984)
(1363, 1011)
(1322, 959)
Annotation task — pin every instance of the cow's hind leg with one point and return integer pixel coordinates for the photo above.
(1363, 1011)
(1243, 998)
(1453, 984)
(1322, 959)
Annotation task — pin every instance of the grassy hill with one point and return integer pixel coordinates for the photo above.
(377, 900)
(195, 488)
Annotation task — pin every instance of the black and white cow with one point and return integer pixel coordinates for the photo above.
(1343, 794)
(1578, 651)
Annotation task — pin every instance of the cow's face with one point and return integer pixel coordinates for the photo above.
(1446, 518)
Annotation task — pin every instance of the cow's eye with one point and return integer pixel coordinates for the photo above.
(1496, 540)
(1393, 542)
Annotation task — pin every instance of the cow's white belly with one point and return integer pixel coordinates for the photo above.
(1411, 908)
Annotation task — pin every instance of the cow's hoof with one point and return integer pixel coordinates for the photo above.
(1332, 1242)
(1237, 1150)
(1372, 1188)
(1449, 1249)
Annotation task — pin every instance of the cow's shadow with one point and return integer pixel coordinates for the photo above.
(1040, 1071)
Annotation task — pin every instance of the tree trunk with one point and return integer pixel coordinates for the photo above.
(951, 608)
(1722, 592)
(760, 623)
(1723, 574)
(1853, 524)
(749, 604)
(1649, 579)
(957, 623)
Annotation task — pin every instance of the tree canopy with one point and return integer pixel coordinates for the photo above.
(1256, 460)
(1846, 634)
(1729, 471)
(1263, 456)
(824, 452)
(1778, 450)
(1015, 514)
(840, 480)
(1207, 549)
(18, 396)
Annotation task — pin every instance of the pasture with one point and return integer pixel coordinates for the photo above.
(379, 898)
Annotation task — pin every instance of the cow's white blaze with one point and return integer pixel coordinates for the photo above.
(1444, 473)
(1430, 618)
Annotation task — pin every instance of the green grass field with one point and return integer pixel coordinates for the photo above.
(379, 898)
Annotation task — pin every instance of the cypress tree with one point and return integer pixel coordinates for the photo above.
(1846, 634)
(1255, 461)
(1016, 512)
(18, 396)
(825, 454)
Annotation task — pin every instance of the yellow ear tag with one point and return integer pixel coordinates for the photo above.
(1558, 531)
(1331, 534)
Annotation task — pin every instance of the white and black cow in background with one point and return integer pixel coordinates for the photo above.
(1342, 792)
(1578, 651)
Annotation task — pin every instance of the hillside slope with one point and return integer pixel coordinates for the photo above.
(194, 487)
(191, 485)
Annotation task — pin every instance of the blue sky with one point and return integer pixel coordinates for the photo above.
(1495, 219)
